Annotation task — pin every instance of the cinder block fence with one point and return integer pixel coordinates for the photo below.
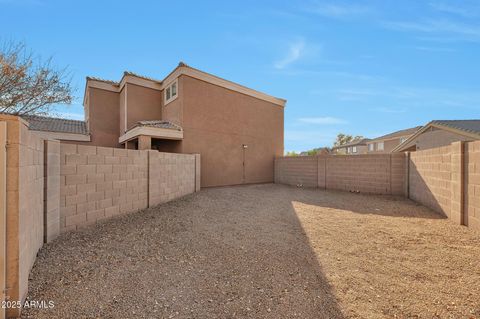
(48, 187)
(445, 179)
(373, 174)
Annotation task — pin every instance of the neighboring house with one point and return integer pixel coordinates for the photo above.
(237, 131)
(355, 147)
(58, 128)
(386, 143)
(441, 133)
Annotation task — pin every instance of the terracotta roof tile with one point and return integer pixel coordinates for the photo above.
(53, 124)
(158, 124)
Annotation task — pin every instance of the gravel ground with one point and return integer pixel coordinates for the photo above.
(264, 251)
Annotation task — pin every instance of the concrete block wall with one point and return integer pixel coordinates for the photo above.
(52, 187)
(97, 183)
(51, 190)
(100, 182)
(374, 174)
(430, 175)
(363, 173)
(301, 170)
(24, 203)
(31, 180)
(171, 176)
(472, 184)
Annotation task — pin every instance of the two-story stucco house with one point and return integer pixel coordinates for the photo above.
(388, 142)
(237, 131)
(355, 147)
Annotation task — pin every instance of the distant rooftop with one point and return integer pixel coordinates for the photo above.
(356, 142)
(53, 124)
(470, 126)
(405, 132)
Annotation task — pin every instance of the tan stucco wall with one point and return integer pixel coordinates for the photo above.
(217, 121)
(437, 138)
(173, 111)
(121, 111)
(104, 117)
(142, 104)
(388, 146)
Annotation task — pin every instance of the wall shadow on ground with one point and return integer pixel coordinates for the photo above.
(223, 252)
(384, 205)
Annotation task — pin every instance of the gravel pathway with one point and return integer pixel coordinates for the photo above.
(264, 251)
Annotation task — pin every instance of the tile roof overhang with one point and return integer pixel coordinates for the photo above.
(155, 129)
(468, 128)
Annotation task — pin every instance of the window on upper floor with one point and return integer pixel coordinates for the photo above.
(403, 139)
(380, 146)
(371, 147)
(171, 92)
(354, 149)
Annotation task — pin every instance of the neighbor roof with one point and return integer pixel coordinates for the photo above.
(53, 124)
(408, 131)
(158, 124)
(470, 128)
(357, 142)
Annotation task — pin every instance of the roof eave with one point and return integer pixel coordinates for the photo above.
(401, 147)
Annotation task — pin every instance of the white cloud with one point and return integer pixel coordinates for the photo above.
(389, 110)
(434, 49)
(465, 10)
(295, 51)
(327, 120)
(336, 10)
(436, 26)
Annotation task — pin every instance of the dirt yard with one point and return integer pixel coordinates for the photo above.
(264, 251)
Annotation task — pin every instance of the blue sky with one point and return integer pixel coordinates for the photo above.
(358, 67)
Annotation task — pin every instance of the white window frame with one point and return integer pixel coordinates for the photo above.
(380, 146)
(354, 149)
(169, 89)
(349, 150)
(371, 147)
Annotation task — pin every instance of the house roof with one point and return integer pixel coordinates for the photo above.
(53, 124)
(405, 132)
(181, 69)
(158, 124)
(357, 142)
(469, 128)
